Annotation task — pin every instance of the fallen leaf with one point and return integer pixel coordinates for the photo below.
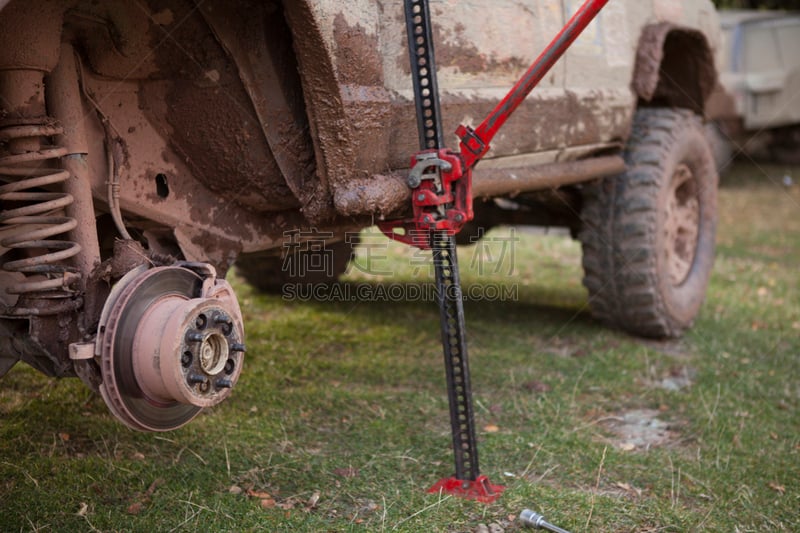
(491, 428)
(346, 472)
(287, 505)
(152, 488)
(773, 436)
(630, 489)
(138, 456)
(267, 503)
(84, 509)
(312, 501)
(63, 436)
(369, 507)
(235, 489)
(261, 495)
(780, 489)
(536, 386)
(136, 507)
(627, 446)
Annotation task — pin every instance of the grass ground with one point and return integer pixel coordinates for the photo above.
(339, 421)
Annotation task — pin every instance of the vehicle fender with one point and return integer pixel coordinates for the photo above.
(674, 67)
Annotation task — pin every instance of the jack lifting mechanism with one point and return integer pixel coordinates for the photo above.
(441, 183)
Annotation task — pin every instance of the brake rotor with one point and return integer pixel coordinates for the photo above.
(170, 344)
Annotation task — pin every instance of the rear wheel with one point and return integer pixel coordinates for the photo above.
(648, 234)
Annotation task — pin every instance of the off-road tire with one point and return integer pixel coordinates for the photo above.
(639, 267)
(267, 272)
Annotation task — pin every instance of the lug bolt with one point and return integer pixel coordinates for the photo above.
(194, 337)
(201, 321)
(225, 323)
(237, 347)
(223, 384)
(196, 379)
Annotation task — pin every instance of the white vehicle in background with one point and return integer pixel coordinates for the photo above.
(759, 69)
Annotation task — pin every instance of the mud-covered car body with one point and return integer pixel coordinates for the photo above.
(193, 133)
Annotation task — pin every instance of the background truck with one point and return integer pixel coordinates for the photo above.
(145, 147)
(756, 110)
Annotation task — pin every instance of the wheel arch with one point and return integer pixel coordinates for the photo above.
(674, 68)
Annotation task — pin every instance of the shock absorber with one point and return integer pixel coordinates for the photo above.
(32, 209)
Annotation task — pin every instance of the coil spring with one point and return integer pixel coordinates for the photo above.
(31, 226)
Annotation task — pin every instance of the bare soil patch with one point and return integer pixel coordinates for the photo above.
(640, 429)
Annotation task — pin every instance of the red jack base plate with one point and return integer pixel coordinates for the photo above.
(480, 489)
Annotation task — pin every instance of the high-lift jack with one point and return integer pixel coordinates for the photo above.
(441, 183)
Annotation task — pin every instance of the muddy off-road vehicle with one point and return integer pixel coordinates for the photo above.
(147, 146)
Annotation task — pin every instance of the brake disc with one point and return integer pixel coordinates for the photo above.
(170, 344)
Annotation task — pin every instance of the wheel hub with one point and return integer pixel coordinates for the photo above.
(681, 224)
(171, 343)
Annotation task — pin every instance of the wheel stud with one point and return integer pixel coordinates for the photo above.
(196, 379)
(225, 323)
(237, 347)
(194, 337)
(201, 321)
(223, 384)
